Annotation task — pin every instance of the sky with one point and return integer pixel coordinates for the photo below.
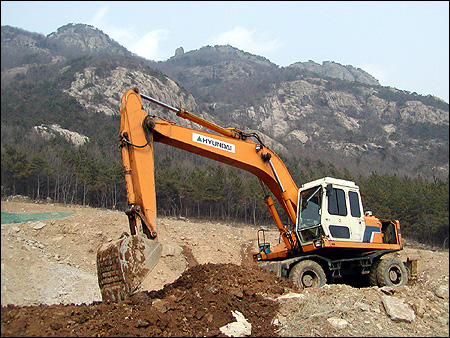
(403, 44)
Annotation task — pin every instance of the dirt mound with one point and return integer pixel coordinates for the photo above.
(197, 304)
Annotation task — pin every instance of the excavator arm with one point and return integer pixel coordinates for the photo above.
(123, 264)
(243, 154)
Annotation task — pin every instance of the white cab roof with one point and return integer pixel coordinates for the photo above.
(327, 180)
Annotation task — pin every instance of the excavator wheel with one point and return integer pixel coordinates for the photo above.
(373, 273)
(123, 264)
(308, 274)
(391, 272)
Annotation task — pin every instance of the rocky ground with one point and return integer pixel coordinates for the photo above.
(205, 284)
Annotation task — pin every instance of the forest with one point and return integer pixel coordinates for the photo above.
(191, 186)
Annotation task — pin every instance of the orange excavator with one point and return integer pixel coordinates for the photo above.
(328, 236)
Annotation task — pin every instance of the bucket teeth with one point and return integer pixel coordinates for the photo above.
(123, 264)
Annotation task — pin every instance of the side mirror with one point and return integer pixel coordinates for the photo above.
(329, 189)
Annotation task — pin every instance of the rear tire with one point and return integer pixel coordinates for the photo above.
(391, 272)
(308, 274)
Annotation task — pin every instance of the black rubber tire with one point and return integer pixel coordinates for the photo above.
(391, 272)
(373, 280)
(308, 274)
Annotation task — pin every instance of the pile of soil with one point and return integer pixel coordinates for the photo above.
(197, 304)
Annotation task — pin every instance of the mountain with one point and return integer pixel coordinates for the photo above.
(71, 81)
(77, 69)
(328, 112)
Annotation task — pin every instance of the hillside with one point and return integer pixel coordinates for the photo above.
(80, 68)
(49, 274)
(373, 127)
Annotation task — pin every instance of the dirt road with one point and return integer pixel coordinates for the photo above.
(204, 281)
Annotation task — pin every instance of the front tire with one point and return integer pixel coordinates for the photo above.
(308, 274)
(391, 272)
(373, 280)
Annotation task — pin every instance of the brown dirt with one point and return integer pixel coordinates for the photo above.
(49, 285)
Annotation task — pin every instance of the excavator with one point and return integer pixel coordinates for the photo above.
(328, 235)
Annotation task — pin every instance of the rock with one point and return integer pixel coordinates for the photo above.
(336, 70)
(179, 51)
(141, 323)
(362, 306)
(240, 328)
(49, 130)
(280, 320)
(419, 306)
(55, 326)
(398, 310)
(387, 290)
(442, 291)
(291, 295)
(15, 228)
(338, 323)
(171, 250)
(39, 225)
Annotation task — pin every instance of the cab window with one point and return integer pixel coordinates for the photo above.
(336, 203)
(310, 201)
(353, 197)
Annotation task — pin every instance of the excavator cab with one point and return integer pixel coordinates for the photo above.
(330, 208)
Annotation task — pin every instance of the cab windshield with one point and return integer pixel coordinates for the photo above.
(310, 210)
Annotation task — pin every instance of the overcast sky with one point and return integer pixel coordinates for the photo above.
(404, 44)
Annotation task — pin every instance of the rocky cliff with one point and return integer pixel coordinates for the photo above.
(337, 71)
(330, 111)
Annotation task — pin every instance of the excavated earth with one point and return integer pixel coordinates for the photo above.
(205, 284)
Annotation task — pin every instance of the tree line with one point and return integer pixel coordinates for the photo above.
(194, 187)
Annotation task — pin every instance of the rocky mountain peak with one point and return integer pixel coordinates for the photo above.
(218, 54)
(337, 71)
(78, 39)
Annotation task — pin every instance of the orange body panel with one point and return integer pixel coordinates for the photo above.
(352, 245)
(278, 251)
(377, 238)
(372, 221)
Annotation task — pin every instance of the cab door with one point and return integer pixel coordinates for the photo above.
(357, 223)
(343, 216)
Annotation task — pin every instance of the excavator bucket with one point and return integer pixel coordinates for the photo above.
(123, 264)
